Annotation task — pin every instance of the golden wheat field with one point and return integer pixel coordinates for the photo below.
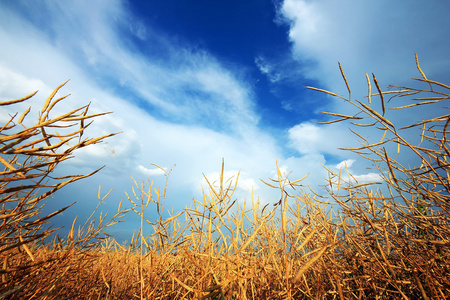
(361, 241)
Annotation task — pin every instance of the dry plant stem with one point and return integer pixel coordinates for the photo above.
(422, 192)
(29, 155)
(366, 240)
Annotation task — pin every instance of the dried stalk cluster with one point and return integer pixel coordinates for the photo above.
(365, 241)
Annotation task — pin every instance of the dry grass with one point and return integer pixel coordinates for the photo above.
(359, 243)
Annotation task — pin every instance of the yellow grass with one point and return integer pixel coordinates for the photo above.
(358, 243)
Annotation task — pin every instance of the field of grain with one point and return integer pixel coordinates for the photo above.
(362, 241)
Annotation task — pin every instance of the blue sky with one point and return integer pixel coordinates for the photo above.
(192, 82)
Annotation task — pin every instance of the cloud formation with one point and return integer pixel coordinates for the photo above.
(375, 37)
(174, 104)
(309, 138)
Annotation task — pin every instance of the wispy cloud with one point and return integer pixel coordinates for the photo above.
(267, 69)
(175, 105)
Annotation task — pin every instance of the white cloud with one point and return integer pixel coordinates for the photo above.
(267, 69)
(151, 171)
(345, 168)
(309, 138)
(229, 177)
(369, 177)
(248, 184)
(13, 84)
(345, 164)
(308, 20)
(375, 36)
(306, 138)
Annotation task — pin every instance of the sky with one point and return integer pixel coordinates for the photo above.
(194, 82)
